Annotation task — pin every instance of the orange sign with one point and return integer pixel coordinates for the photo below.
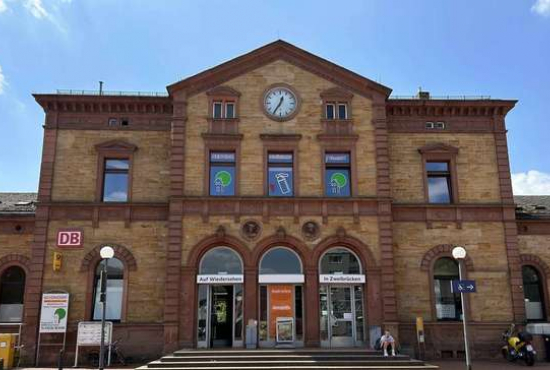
(280, 305)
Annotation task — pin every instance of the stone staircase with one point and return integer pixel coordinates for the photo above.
(267, 359)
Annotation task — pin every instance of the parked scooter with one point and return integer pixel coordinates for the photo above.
(518, 347)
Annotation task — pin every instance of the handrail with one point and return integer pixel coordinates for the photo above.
(112, 93)
(440, 97)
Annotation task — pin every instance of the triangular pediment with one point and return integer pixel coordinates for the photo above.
(279, 50)
(116, 145)
(438, 148)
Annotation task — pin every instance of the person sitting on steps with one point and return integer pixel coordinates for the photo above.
(387, 341)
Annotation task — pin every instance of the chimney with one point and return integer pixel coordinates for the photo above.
(423, 95)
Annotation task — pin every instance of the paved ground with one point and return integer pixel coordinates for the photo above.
(443, 365)
(486, 365)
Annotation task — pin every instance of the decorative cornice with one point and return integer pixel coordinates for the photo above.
(336, 93)
(97, 104)
(223, 91)
(116, 146)
(280, 137)
(446, 108)
(438, 148)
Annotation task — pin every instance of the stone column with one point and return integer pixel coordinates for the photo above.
(311, 308)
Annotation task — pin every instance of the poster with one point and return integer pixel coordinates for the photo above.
(281, 306)
(54, 312)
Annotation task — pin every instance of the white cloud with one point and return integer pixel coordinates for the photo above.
(3, 82)
(3, 6)
(531, 183)
(36, 8)
(542, 7)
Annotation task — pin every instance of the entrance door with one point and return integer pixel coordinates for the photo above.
(341, 318)
(221, 316)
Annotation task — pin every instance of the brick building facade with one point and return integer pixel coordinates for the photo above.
(281, 188)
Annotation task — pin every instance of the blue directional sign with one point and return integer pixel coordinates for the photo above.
(464, 286)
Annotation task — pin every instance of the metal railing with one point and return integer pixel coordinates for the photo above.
(112, 93)
(441, 97)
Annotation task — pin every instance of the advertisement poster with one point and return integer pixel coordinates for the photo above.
(54, 312)
(281, 306)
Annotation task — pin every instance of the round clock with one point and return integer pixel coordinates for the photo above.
(280, 102)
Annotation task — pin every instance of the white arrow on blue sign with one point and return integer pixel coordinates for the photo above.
(464, 286)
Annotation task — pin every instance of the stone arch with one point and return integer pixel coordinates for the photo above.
(220, 239)
(363, 252)
(15, 259)
(537, 262)
(93, 257)
(442, 250)
(281, 239)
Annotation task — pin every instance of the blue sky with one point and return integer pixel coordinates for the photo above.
(498, 48)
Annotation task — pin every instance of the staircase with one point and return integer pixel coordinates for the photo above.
(267, 359)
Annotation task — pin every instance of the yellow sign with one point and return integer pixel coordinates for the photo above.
(57, 259)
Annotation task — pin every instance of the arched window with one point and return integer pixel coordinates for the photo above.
(447, 303)
(534, 293)
(340, 261)
(12, 293)
(280, 261)
(115, 290)
(221, 261)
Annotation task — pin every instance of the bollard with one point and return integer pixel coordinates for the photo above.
(59, 360)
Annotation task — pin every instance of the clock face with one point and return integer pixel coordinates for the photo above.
(280, 103)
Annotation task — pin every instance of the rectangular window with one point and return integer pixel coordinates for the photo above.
(439, 182)
(280, 174)
(115, 180)
(337, 175)
(230, 110)
(342, 111)
(217, 109)
(222, 173)
(330, 111)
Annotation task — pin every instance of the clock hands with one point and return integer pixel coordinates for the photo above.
(278, 105)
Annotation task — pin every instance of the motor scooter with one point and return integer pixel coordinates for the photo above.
(518, 347)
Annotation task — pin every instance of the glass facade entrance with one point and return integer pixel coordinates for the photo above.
(220, 300)
(341, 295)
(281, 300)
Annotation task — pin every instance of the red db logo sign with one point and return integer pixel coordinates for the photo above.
(69, 238)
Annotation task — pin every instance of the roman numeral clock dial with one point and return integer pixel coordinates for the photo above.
(280, 103)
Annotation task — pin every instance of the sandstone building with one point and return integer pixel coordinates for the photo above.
(282, 188)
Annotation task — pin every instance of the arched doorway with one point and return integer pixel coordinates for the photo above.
(220, 299)
(341, 293)
(12, 294)
(281, 282)
(533, 290)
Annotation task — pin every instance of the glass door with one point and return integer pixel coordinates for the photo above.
(220, 315)
(341, 316)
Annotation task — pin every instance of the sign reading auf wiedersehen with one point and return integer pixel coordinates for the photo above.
(464, 286)
(220, 279)
(342, 279)
(89, 333)
(54, 312)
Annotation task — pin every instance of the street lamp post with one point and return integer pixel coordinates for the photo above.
(106, 253)
(459, 254)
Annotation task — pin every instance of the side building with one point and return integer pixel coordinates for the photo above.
(282, 189)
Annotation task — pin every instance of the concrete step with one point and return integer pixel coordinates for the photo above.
(284, 359)
(259, 357)
(406, 366)
(282, 362)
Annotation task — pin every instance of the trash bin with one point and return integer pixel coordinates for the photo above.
(546, 340)
(252, 334)
(7, 349)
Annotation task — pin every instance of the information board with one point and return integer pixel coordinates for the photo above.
(89, 333)
(54, 312)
